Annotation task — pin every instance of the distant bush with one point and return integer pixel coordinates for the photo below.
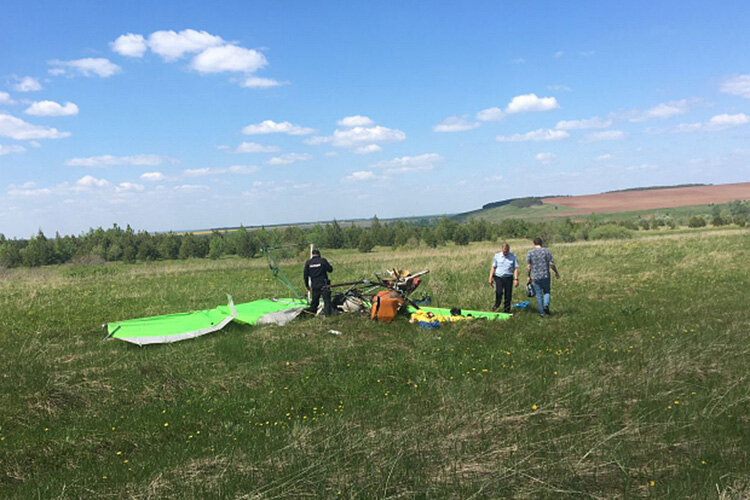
(739, 220)
(644, 224)
(718, 220)
(696, 221)
(610, 232)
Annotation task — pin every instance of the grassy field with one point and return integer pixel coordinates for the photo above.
(636, 386)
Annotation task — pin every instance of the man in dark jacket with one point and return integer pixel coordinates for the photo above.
(316, 277)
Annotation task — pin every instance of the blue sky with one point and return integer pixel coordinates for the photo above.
(181, 115)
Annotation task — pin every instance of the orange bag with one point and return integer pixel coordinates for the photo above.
(385, 306)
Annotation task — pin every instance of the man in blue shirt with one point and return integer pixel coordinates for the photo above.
(504, 274)
(539, 261)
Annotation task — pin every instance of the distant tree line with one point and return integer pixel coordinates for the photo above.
(118, 244)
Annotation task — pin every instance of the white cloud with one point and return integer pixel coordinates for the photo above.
(5, 98)
(355, 121)
(663, 111)
(15, 128)
(129, 186)
(530, 102)
(289, 158)
(153, 176)
(715, 123)
(737, 85)
(406, 164)
(518, 60)
(604, 157)
(535, 135)
(362, 175)
(27, 84)
(595, 122)
(725, 121)
(490, 115)
(256, 82)
(272, 127)
(357, 137)
(88, 66)
(545, 157)
(171, 45)
(88, 181)
(129, 45)
(51, 108)
(190, 188)
(559, 88)
(13, 148)
(607, 135)
(110, 161)
(366, 150)
(234, 169)
(242, 169)
(559, 54)
(228, 58)
(29, 193)
(254, 147)
(455, 124)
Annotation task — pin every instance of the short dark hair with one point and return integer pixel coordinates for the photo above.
(316, 252)
(538, 241)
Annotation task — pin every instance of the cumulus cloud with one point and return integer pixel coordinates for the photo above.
(88, 66)
(228, 58)
(111, 161)
(530, 102)
(406, 164)
(13, 148)
(27, 84)
(234, 169)
(455, 124)
(355, 121)
(535, 135)
(604, 157)
(715, 123)
(171, 45)
(153, 176)
(191, 188)
(51, 108)
(254, 147)
(289, 158)
(737, 85)
(362, 175)
(366, 150)
(5, 98)
(129, 45)
(15, 128)
(595, 122)
(357, 137)
(129, 186)
(256, 82)
(89, 181)
(607, 135)
(490, 115)
(545, 157)
(272, 127)
(663, 111)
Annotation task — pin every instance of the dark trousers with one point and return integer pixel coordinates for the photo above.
(317, 292)
(503, 285)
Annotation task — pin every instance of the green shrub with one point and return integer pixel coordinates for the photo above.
(610, 232)
(696, 221)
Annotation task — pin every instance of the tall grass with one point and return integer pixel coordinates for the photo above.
(636, 386)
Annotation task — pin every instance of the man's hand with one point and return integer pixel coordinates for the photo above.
(491, 282)
(557, 275)
(515, 282)
(307, 288)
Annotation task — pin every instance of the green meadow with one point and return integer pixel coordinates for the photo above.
(636, 386)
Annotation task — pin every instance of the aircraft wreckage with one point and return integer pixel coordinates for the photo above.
(385, 297)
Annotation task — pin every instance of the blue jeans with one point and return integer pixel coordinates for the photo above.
(542, 288)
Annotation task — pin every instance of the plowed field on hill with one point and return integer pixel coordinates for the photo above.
(625, 201)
